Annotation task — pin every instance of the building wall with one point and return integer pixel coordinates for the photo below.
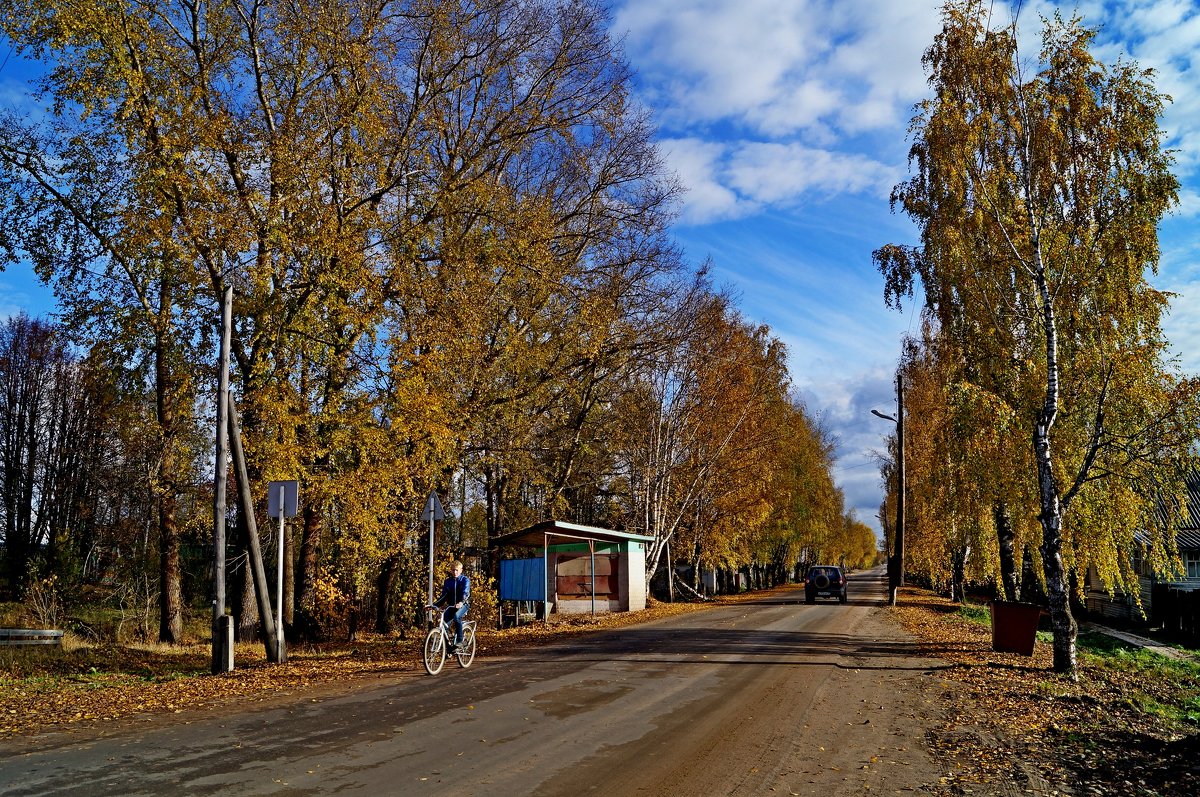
(636, 577)
(1118, 606)
(584, 606)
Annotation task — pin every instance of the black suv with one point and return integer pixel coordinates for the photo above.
(825, 581)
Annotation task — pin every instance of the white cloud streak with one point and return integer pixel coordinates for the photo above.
(779, 68)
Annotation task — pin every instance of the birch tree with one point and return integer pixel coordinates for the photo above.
(1038, 190)
(704, 425)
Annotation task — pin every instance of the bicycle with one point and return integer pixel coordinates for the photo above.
(437, 642)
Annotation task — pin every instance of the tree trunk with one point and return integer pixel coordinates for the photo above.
(289, 577)
(383, 594)
(170, 585)
(306, 580)
(958, 582)
(1009, 581)
(670, 576)
(247, 614)
(355, 614)
(1030, 588)
(170, 602)
(1057, 590)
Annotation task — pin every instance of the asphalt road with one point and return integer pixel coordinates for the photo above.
(771, 696)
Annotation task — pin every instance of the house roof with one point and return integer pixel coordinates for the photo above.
(1193, 503)
(552, 532)
(1187, 535)
(1188, 539)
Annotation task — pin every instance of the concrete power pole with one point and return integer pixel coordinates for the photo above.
(895, 563)
(898, 570)
(222, 626)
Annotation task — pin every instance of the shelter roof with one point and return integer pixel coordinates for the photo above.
(556, 532)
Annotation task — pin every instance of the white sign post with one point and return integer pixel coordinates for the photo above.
(433, 512)
(282, 498)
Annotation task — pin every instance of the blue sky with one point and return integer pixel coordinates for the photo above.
(786, 120)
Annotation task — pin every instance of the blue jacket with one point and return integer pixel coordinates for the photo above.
(456, 590)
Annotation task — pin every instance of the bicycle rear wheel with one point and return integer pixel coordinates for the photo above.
(434, 651)
(466, 651)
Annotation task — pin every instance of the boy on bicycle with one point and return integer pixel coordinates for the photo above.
(456, 592)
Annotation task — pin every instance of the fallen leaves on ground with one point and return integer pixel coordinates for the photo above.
(49, 689)
(1020, 724)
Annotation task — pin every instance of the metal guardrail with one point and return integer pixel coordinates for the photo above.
(30, 636)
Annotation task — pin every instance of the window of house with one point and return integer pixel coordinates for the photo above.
(1139, 560)
(1191, 561)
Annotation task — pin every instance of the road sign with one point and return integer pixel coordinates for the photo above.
(433, 508)
(290, 498)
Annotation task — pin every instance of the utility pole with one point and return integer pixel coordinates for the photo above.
(222, 625)
(250, 526)
(229, 441)
(896, 560)
(899, 490)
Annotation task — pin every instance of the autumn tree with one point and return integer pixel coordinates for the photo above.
(808, 509)
(702, 428)
(1038, 195)
(963, 461)
(436, 215)
(547, 250)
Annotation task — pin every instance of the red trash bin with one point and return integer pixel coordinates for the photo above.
(1014, 626)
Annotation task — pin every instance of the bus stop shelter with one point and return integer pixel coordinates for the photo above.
(577, 569)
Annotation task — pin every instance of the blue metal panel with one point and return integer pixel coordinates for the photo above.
(522, 579)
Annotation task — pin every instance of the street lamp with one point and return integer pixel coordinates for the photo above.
(896, 561)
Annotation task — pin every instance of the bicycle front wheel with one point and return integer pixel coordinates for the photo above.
(466, 651)
(435, 651)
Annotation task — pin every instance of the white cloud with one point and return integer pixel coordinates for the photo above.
(779, 173)
(705, 58)
(779, 68)
(843, 405)
(14, 300)
(730, 180)
(699, 165)
(14, 97)
(1189, 203)
(788, 90)
(1163, 35)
